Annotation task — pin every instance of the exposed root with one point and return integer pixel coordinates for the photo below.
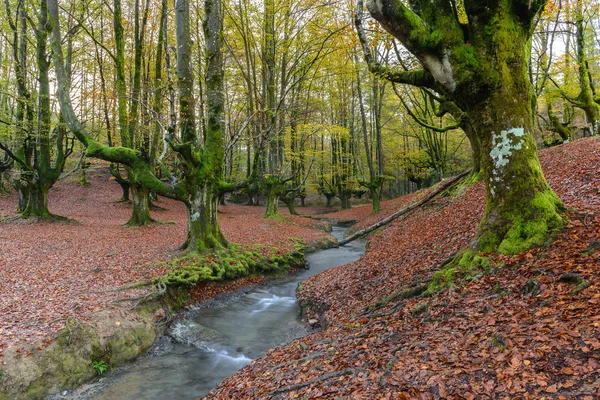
(323, 377)
(161, 289)
(406, 293)
(299, 360)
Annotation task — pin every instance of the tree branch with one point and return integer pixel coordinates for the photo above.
(402, 23)
(422, 122)
(15, 157)
(123, 155)
(418, 78)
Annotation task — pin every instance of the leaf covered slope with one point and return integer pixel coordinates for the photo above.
(526, 326)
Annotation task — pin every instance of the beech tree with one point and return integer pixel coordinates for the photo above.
(201, 161)
(40, 147)
(587, 100)
(476, 55)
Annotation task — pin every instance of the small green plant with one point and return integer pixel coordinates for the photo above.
(499, 290)
(499, 341)
(100, 366)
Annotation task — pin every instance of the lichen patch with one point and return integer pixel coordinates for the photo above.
(504, 145)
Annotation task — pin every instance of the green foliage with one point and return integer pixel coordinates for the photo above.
(100, 366)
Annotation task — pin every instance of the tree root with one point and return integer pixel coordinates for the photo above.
(582, 286)
(161, 289)
(299, 360)
(323, 377)
(404, 294)
(136, 285)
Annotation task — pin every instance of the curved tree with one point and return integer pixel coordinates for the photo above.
(476, 55)
(201, 165)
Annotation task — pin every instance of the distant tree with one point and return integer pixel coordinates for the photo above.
(587, 99)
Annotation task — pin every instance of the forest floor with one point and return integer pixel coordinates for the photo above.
(52, 271)
(522, 330)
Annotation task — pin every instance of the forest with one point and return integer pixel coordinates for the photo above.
(161, 158)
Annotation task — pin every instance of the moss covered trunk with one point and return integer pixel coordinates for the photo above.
(477, 57)
(204, 232)
(521, 208)
(522, 211)
(344, 196)
(375, 193)
(289, 202)
(124, 183)
(37, 204)
(272, 202)
(140, 205)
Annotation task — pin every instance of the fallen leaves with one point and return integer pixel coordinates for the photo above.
(551, 337)
(54, 271)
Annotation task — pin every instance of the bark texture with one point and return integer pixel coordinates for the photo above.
(479, 62)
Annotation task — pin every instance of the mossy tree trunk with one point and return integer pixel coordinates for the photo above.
(289, 202)
(375, 192)
(37, 173)
(202, 167)
(478, 59)
(123, 183)
(140, 205)
(272, 203)
(128, 116)
(203, 227)
(564, 130)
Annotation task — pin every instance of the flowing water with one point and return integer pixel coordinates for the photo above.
(213, 341)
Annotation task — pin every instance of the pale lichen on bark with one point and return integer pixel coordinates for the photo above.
(504, 145)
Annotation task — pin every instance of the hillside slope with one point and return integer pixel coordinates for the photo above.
(524, 329)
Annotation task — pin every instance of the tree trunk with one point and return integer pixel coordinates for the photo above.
(37, 203)
(481, 65)
(330, 198)
(124, 183)
(204, 232)
(289, 202)
(272, 202)
(140, 210)
(375, 192)
(521, 208)
(344, 197)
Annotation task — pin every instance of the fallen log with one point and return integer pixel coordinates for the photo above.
(442, 188)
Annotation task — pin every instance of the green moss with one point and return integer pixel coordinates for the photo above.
(442, 279)
(539, 229)
(467, 61)
(499, 341)
(468, 266)
(230, 263)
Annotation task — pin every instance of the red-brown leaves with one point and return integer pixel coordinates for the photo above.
(489, 338)
(49, 272)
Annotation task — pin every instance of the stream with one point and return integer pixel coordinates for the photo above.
(212, 341)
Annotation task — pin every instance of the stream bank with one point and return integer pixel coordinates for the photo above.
(111, 337)
(212, 340)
